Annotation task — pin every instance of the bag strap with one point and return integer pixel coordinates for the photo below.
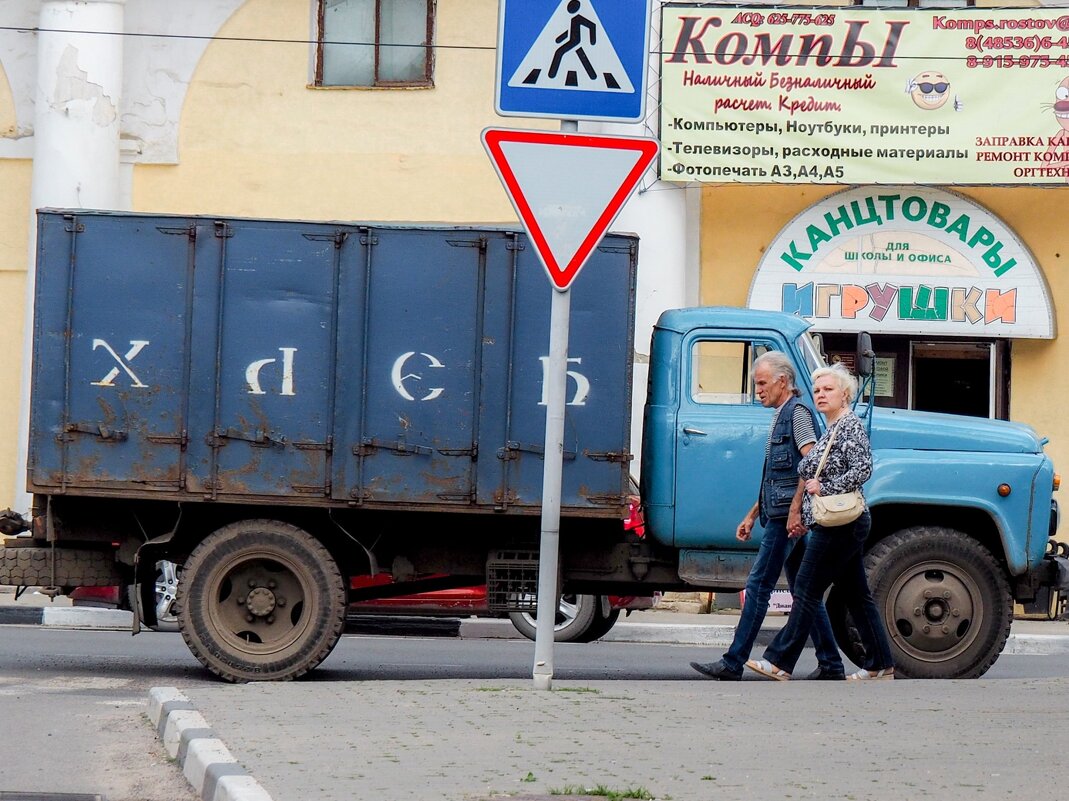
(824, 456)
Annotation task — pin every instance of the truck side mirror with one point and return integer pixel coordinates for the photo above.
(864, 354)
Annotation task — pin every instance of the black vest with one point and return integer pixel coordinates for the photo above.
(779, 479)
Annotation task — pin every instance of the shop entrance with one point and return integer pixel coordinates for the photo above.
(953, 377)
(969, 377)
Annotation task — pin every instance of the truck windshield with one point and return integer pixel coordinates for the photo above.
(812, 356)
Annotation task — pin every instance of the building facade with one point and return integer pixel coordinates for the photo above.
(262, 108)
(372, 110)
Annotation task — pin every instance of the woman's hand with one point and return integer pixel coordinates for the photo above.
(812, 486)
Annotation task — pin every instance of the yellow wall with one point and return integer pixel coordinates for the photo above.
(255, 140)
(14, 245)
(739, 222)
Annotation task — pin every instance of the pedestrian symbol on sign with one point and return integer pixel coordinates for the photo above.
(573, 52)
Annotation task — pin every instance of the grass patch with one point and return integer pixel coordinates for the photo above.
(578, 690)
(640, 793)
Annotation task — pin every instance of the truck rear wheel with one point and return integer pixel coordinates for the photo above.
(261, 600)
(944, 598)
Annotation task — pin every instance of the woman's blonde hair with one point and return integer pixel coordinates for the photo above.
(845, 381)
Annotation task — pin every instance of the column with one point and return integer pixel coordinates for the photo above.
(76, 138)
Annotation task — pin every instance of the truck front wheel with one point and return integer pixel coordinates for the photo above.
(261, 600)
(944, 598)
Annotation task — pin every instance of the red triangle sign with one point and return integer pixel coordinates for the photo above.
(567, 188)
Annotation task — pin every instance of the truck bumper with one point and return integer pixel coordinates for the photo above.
(1056, 569)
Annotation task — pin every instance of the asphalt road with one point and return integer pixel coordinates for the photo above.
(153, 659)
(73, 702)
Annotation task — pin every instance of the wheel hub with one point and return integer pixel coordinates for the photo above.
(933, 610)
(260, 602)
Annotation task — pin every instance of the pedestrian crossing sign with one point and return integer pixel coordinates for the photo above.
(573, 59)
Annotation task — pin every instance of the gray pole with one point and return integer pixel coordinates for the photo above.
(549, 546)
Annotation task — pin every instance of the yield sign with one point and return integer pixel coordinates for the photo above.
(567, 188)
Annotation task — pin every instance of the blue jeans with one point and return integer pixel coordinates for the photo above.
(833, 556)
(771, 556)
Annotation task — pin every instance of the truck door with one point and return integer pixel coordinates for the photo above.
(274, 356)
(408, 399)
(112, 339)
(721, 432)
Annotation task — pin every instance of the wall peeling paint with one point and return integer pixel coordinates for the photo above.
(73, 86)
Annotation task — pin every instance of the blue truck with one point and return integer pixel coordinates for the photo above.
(277, 406)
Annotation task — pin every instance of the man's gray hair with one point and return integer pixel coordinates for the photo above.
(779, 363)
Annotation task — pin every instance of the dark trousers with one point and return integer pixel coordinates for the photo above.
(833, 556)
(775, 550)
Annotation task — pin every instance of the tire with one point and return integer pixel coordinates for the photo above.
(261, 600)
(602, 624)
(575, 615)
(942, 580)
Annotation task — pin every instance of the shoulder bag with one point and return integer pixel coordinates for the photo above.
(835, 510)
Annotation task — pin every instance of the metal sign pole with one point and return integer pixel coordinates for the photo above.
(549, 545)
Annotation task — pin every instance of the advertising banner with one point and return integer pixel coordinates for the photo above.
(904, 260)
(849, 95)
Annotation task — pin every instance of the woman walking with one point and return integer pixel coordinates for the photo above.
(833, 554)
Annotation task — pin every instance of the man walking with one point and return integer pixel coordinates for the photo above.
(779, 506)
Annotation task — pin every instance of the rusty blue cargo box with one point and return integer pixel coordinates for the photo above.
(218, 359)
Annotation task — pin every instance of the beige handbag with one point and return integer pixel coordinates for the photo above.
(835, 510)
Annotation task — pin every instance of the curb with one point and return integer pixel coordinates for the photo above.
(206, 763)
(67, 617)
(669, 633)
(1037, 644)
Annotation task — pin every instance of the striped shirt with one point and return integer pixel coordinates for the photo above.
(802, 425)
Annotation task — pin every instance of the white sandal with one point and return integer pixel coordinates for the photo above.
(872, 675)
(768, 670)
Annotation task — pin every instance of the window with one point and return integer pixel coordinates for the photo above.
(375, 43)
(721, 371)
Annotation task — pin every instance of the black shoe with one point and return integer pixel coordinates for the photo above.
(717, 670)
(820, 674)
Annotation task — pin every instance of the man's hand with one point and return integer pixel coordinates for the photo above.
(742, 533)
(795, 528)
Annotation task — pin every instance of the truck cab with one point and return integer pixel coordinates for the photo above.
(963, 510)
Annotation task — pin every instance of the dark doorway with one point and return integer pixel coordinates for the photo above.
(932, 374)
(954, 378)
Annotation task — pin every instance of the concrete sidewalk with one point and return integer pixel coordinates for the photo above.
(475, 740)
(479, 740)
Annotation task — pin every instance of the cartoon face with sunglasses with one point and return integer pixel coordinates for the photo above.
(930, 90)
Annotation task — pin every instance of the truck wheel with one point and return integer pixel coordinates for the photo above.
(261, 600)
(602, 624)
(945, 600)
(575, 615)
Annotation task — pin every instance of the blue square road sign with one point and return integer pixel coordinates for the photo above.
(573, 59)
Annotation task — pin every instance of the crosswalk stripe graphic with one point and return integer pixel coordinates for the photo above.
(573, 52)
